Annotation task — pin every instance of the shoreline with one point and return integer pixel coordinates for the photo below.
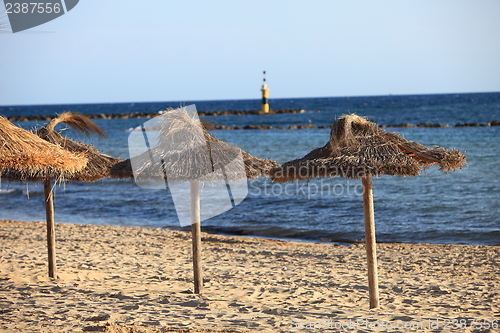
(120, 279)
(187, 230)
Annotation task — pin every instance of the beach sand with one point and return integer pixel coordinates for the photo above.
(117, 279)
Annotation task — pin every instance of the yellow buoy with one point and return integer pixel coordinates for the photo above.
(265, 96)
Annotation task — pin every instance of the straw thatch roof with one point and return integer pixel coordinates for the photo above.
(24, 156)
(187, 151)
(99, 164)
(358, 147)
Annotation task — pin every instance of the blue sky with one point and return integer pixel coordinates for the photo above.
(157, 50)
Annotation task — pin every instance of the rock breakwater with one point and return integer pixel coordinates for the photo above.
(213, 126)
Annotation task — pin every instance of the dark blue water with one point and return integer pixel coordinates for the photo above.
(456, 208)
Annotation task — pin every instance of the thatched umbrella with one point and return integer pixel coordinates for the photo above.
(26, 157)
(147, 165)
(358, 149)
(187, 152)
(98, 165)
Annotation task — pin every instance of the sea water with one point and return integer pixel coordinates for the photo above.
(460, 207)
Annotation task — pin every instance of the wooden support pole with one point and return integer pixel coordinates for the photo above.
(196, 235)
(51, 235)
(371, 244)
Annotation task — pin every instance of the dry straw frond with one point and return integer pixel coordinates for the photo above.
(358, 147)
(78, 122)
(99, 165)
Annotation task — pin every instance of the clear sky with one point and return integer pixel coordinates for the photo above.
(164, 50)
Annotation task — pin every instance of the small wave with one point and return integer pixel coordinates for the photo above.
(8, 191)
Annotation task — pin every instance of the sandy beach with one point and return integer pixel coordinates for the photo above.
(116, 279)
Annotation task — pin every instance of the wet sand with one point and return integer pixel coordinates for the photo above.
(116, 279)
